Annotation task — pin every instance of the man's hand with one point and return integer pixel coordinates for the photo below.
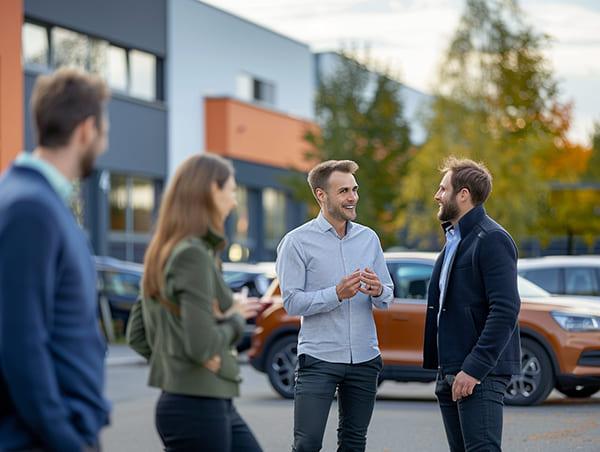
(349, 285)
(463, 386)
(372, 283)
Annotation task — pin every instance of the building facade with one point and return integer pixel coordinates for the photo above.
(245, 92)
(119, 199)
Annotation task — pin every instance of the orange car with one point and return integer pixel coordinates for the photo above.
(560, 337)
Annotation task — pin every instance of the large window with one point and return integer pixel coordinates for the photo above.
(239, 249)
(132, 201)
(274, 203)
(128, 71)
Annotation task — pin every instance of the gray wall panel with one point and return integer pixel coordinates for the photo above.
(135, 23)
(138, 139)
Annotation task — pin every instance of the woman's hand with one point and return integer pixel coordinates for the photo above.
(248, 308)
(214, 364)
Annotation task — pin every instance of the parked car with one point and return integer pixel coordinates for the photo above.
(256, 277)
(564, 275)
(118, 287)
(560, 337)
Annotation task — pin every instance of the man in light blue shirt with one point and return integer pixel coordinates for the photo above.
(332, 272)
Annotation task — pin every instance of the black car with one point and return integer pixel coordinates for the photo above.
(118, 287)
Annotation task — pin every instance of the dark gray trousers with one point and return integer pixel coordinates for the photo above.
(316, 383)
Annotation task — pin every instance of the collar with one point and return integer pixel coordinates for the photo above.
(467, 221)
(55, 178)
(325, 225)
(212, 238)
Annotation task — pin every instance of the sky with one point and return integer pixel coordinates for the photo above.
(411, 37)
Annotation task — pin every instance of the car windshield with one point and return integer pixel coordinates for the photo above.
(527, 289)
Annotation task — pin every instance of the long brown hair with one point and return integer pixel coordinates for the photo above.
(187, 209)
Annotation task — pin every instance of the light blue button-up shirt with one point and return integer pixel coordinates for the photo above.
(311, 261)
(452, 240)
(59, 183)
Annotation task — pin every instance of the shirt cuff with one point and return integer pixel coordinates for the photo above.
(330, 294)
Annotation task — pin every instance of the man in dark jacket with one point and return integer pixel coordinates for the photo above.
(471, 329)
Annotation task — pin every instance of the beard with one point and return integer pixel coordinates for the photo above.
(86, 164)
(449, 210)
(339, 213)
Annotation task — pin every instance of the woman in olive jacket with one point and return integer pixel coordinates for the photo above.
(186, 321)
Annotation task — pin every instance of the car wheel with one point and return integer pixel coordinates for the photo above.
(280, 365)
(580, 392)
(536, 380)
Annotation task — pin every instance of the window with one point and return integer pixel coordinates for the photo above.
(129, 71)
(252, 89)
(274, 216)
(581, 281)
(122, 284)
(116, 68)
(69, 48)
(264, 92)
(35, 45)
(547, 278)
(411, 281)
(117, 200)
(239, 250)
(142, 75)
(142, 204)
(132, 202)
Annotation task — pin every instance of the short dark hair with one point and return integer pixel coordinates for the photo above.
(471, 175)
(318, 177)
(60, 102)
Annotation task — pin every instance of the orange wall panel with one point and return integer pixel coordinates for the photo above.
(248, 132)
(11, 81)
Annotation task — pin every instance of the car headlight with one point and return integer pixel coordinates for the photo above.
(576, 322)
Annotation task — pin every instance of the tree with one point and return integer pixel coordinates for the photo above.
(360, 115)
(574, 202)
(496, 102)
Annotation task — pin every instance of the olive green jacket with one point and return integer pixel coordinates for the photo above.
(176, 346)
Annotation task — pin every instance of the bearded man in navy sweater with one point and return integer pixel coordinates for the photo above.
(51, 349)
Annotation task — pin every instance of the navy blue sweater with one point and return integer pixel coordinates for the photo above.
(51, 349)
(478, 330)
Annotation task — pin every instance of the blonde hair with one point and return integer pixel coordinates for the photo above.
(187, 209)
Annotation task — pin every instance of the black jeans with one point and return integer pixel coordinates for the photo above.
(473, 423)
(316, 383)
(190, 424)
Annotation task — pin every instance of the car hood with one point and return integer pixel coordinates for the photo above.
(575, 305)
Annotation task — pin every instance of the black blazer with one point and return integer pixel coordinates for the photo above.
(478, 326)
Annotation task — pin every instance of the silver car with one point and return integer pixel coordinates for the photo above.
(564, 275)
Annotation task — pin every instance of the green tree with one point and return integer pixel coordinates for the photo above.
(496, 102)
(592, 173)
(360, 116)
